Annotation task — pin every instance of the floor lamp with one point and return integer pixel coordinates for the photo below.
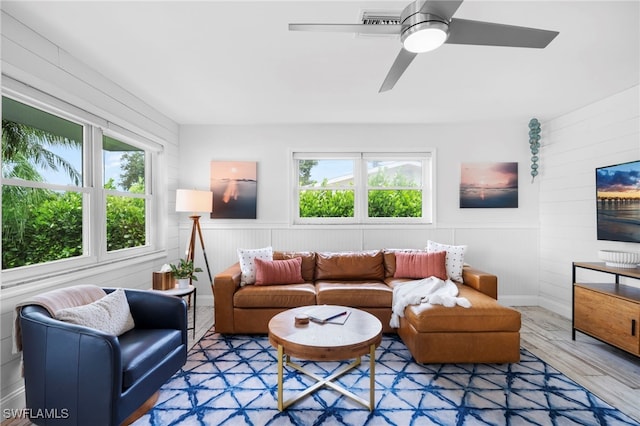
(193, 201)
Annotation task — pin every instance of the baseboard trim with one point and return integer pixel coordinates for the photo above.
(543, 302)
(554, 306)
(518, 300)
(205, 300)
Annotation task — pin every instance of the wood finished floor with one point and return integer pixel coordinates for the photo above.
(609, 373)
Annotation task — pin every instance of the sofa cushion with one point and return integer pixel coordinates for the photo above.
(389, 259)
(246, 258)
(455, 258)
(362, 265)
(308, 261)
(421, 265)
(484, 315)
(143, 349)
(357, 293)
(269, 272)
(275, 296)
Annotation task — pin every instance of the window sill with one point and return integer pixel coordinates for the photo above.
(51, 279)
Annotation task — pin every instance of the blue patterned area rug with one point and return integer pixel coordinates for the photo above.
(232, 380)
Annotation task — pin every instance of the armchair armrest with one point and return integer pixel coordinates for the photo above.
(82, 362)
(156, 310)
(225, 285)
(482, 281)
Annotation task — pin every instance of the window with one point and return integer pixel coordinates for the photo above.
(325, 188)
(124, 183)
(363, 188)
(70, 192)
(42, 197)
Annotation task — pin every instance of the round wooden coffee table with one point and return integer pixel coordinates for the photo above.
(360, 334)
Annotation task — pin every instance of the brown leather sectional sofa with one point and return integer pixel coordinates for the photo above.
(484, 333)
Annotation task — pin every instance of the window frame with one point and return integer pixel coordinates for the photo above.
(94, 195)
(361, 187)
(147, 196)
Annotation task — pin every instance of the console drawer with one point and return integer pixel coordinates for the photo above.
(608, 318)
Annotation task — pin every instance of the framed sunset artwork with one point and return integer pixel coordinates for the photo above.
(489, 185)
(235, 189)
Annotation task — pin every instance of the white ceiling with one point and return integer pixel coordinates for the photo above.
(235, 62)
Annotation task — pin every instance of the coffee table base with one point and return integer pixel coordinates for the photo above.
(326, 381)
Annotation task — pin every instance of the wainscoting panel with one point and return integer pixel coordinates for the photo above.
(511, 254)
(405, 238)
(489, 249)
(222, 244)
(317, 239)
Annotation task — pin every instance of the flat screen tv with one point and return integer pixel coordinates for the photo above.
(618, 202)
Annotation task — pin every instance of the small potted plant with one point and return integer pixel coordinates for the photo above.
(184, 271)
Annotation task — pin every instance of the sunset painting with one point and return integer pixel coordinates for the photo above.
(489, 185)
(618, 202)
(235, 189)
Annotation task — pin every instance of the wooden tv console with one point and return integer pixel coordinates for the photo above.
(609, 312)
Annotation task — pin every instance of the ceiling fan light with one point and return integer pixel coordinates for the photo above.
(425, 37)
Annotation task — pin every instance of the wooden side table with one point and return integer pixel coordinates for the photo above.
(182, 292)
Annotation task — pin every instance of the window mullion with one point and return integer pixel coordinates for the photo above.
(88, 245)
(360, 183)
(98, 200)
(151, 178)
(125, 194)
(42, 185)
(428, 208)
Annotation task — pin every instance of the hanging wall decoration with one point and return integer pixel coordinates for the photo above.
(534, 144)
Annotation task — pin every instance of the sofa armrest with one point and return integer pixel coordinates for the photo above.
(482, 281)
(225, 285)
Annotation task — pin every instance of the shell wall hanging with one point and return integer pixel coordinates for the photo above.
(534, 145)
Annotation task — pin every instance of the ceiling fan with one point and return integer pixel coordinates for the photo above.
(427, 24)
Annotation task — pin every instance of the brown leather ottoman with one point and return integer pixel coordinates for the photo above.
(485, 333)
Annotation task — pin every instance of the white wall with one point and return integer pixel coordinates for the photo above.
(502, 241)
(600, 134)
(31, 59)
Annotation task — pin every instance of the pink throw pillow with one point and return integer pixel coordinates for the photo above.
(279, 271)
(421, 265)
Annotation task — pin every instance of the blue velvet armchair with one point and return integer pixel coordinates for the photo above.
(87, 377)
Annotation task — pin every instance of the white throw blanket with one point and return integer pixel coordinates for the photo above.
(427, 290)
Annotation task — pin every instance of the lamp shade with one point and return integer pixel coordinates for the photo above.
(191, 200)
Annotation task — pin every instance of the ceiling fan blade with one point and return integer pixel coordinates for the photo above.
(463, 31)
(442, 8)
(401, 63)
(348, 28)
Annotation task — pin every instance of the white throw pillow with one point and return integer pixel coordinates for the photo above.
(454, 259)
(247, 264)
(111, 314)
